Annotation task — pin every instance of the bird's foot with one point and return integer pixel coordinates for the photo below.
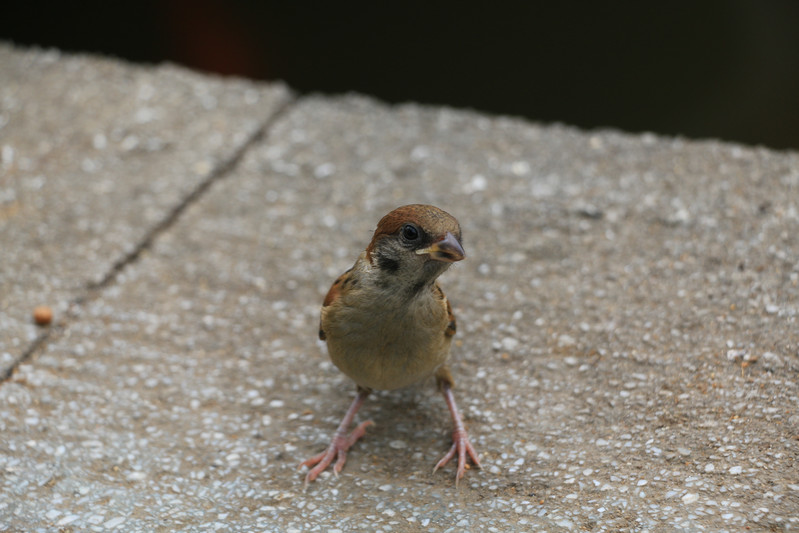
(462, 447)
(337, 450)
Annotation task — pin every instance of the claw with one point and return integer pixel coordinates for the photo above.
(339, 445)
(461, 446)
(460, 441)
(337, 449)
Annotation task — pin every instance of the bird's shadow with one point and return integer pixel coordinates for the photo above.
(407, 411)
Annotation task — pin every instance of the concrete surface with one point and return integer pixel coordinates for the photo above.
(94, 156)
(627, 351)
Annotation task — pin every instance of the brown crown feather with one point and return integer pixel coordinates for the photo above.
(429, 218)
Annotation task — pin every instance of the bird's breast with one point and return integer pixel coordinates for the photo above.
(384, 345)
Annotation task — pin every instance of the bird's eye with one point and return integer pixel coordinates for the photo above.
(409, 232)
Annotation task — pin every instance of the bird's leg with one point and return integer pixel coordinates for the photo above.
(341, 442)
(460, 439)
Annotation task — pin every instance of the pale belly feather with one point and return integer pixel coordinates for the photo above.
(380, 349)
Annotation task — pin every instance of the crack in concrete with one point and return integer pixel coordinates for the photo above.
(224, 168)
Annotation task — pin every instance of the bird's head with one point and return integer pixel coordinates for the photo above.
(413, 245)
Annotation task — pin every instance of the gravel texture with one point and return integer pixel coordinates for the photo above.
(94, 155)
(627, 352)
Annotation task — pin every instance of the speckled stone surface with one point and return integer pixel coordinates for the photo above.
(626, 358)
(94, 155)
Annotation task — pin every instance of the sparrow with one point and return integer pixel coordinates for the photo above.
(388, 325)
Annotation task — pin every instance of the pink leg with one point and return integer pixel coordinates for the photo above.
(460, 439)
(341, 442)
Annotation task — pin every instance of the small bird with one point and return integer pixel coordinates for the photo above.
(388, 325)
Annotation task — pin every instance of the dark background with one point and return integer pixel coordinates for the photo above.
(723, 69)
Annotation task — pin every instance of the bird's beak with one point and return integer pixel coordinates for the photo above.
(447, 250)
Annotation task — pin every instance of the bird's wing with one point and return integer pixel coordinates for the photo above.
(452, 325)
(334, 294)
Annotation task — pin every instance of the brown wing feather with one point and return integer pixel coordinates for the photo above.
(334, 292)
(332, 295)
(452, 325)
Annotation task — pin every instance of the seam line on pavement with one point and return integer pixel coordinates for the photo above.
(222, 169)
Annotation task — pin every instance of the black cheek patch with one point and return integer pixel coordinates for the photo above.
(387, 264)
